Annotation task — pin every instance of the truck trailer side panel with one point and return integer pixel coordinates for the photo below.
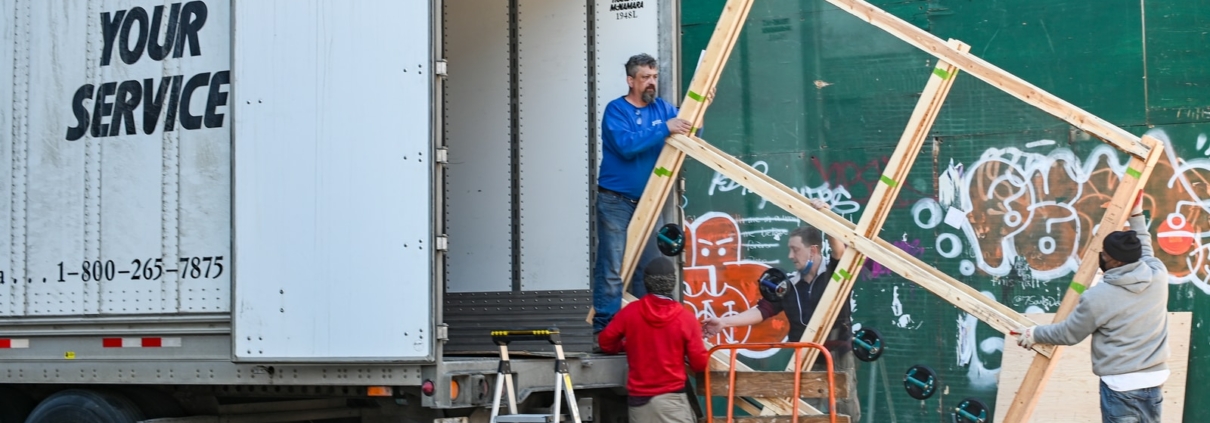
(333, 169)
(117, 176)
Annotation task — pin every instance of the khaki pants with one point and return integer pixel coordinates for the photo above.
(666, 408)
(850, 406)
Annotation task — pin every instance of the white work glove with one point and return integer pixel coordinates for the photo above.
(1025, 337)
(1138, 205)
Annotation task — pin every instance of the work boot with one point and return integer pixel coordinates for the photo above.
(596, 345)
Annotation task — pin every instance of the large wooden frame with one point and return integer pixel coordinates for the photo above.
(861, 237)
(879, 206)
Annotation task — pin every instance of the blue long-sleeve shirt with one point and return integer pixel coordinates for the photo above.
(632, 138)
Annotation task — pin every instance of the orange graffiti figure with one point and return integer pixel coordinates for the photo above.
(718, 282)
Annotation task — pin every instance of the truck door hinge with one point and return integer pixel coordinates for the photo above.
(441, 68)
(443, 155)
(443, 243)
(443, 332)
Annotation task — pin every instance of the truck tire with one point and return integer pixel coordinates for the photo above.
(85, 406)
(155, 404)
(14, 405)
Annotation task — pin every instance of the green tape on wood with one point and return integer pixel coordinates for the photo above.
(1077, 287)
(1132, 172)
(662, 171)
(941, 72)
(837, 277)
(843, 274)
(696, 96)
(887, 180)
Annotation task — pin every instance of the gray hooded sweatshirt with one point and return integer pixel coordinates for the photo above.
(1126, 314)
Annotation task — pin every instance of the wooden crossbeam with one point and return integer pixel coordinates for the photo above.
(879, 206)
(953, 291)
(995, 76)
(1116, 213)
(782, 406)
(786, 419)
(773, 384)
(668, 165)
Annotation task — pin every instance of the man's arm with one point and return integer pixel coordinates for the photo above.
(611, 339)
(1138, 224)
(619, 137)
(1077, 326)
(833, 242)
(714, 325)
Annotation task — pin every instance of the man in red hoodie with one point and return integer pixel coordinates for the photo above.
(658, 334)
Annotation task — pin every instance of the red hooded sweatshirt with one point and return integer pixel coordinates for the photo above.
(657, 334)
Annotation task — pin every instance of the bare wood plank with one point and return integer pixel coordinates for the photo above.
(995, 76)
(718, 362)
(773, 384)
(893, 258)
(879, 206)
(668, 165)
(1116, 213)
(819, 418)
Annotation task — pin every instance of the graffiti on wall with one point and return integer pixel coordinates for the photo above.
(1022, 216)
(718, 282)
(836, 194)
(1026, 215)
(969, 346)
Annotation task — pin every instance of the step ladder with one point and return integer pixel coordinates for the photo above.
(777, 384)
(504, 378)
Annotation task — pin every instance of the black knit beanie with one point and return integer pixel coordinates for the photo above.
(1123, 246)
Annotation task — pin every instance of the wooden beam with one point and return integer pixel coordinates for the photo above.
(773, 384)
(995, 76)
(953, 291)
(836, 295)
(668, 165)
(1116, 213)
(823, 418)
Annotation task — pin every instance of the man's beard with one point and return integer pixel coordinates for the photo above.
(648, 95)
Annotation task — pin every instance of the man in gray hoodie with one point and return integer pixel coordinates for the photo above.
(1127, 316)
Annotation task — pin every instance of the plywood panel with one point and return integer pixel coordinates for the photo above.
(1073, 395)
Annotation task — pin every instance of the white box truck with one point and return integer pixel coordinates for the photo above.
(272, 210)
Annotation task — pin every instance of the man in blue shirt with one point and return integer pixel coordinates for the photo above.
(632, 134)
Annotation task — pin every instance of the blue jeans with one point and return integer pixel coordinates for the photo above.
(613, 217)
(1137, 406)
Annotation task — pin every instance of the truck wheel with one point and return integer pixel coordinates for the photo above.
(154, 404)
(14, 405)
(85, 406)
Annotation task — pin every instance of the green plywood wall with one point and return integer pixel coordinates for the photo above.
(817, 99)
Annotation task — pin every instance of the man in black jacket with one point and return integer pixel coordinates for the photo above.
(799, 303)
